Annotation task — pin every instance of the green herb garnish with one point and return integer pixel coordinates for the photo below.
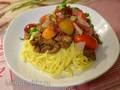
(97, 38)
(87, 14)
(62, 5)
(33, 30)
(90, 23)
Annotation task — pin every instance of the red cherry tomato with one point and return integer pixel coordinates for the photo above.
(42, 19)
(89, 40)
(28, 26)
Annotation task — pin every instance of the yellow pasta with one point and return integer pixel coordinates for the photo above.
(66, 61)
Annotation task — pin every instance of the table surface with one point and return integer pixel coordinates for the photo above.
(109, 9)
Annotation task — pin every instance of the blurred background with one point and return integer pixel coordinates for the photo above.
(10, 8)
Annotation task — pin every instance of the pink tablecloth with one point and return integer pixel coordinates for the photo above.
(109, 9)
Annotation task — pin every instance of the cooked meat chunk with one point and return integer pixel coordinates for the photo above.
(37, 49)
(26, 36)
(64, 40)
(67, 39)
(64, 45)
(55, 49)
(49, 42)
(34, 42)
(39, 27)
(58, 38)
(90, 53)
(45, 48)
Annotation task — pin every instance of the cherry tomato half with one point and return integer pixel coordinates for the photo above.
(42, 19)
(89, 40)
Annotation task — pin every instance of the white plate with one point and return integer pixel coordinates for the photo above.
(106, 54)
